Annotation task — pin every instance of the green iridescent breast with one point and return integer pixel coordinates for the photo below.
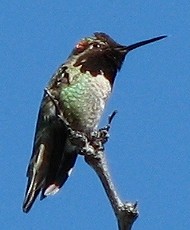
(83, 100)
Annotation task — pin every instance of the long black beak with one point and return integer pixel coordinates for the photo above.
(126, 49)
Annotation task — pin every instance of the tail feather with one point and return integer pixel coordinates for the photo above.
(30, 197)
(54, 181)
(51, 190)
(50, 165)
(36, 171)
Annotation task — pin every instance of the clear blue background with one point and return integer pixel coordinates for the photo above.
(149, 148)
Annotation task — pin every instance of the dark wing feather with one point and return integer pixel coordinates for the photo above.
(52, 157)
(39, 162)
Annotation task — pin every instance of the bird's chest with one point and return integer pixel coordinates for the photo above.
(83, 101)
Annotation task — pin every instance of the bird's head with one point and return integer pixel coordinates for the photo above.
(101, 54)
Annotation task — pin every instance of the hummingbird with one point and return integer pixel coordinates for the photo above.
(81, 86)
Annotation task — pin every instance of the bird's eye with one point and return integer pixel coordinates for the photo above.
(95, 45)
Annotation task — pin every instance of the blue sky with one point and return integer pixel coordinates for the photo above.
(149, 148)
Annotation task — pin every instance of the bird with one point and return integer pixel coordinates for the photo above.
(81, 87)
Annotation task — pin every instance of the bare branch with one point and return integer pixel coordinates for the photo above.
(126, 213)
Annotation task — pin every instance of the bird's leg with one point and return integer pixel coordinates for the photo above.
(110, 119)
(100, 137)
(104, 132)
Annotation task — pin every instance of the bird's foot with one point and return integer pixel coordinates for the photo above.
(100, 137)
(77, 138)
